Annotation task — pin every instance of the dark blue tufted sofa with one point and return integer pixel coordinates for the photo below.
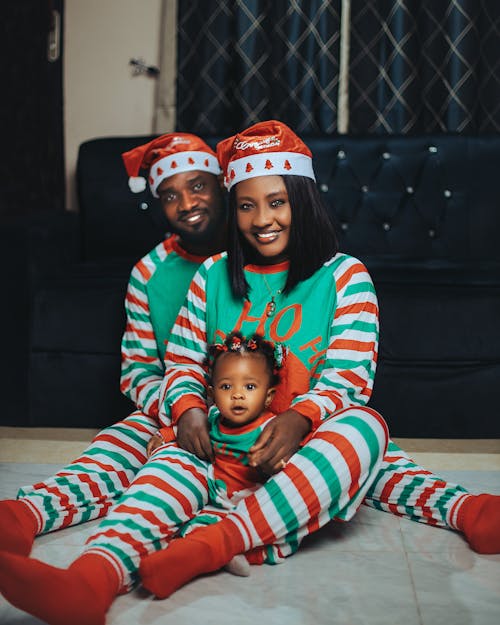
(422, 212)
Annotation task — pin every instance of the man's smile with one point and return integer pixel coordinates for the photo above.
(193, 217)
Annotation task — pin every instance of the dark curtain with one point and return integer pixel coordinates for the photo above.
(416, 66)
(424, 66)
(240, 62)
(32, 165)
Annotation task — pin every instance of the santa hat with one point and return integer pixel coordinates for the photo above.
(170, 154)
(266, 149)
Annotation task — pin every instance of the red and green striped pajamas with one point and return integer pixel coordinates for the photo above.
(328, 478)
(340, 354)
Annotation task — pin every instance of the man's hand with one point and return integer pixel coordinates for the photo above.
(154, 442)
(192, 433)
(279, 441)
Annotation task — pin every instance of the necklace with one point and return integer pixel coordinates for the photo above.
(271, 305)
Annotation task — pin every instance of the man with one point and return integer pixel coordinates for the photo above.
(185, 175)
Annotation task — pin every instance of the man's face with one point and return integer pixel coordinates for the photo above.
(192, 203)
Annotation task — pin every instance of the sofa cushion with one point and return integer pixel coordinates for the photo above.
(30, 245)
(81, 309)
(72, 389)
(438, 399)
(437, 311)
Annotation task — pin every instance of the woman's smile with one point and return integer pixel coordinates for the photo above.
(266, 238)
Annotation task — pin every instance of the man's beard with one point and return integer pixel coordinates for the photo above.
(207, 235)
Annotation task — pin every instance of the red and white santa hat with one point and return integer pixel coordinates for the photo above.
(268, 148)
(170, 154)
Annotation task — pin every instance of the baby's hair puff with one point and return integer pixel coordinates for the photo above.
(236, 343)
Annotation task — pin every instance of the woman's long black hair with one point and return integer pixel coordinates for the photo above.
(313, 239)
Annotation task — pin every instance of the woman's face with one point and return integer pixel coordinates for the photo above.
(264, 216)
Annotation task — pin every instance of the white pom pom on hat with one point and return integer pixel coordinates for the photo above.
(137, 184)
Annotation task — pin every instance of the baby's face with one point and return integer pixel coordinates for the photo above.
(241, 387)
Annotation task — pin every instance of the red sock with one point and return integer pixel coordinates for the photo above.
(202, 551)
(18, 527)
(80, 595)
(479, 520)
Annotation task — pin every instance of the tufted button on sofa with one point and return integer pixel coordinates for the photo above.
(422, 212)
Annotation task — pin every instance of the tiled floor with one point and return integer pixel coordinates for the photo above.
(375, 569)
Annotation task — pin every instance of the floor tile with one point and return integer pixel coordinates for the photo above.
(370, 530)
(15, 475)
(350, 589)
(462, 590)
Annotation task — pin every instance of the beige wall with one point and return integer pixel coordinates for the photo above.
(101, 97)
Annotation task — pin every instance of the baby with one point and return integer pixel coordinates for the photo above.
(243, 374)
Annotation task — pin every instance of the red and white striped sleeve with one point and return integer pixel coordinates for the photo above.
(346, 374)
(142, 366)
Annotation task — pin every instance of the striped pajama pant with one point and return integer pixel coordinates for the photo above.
(145, 502)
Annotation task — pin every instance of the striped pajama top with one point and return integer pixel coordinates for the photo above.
(329, 322)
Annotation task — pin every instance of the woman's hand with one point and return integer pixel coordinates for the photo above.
(154, 442)
(192, 433)
(279, 441)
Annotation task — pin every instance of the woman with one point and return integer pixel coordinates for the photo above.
(282, 277)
